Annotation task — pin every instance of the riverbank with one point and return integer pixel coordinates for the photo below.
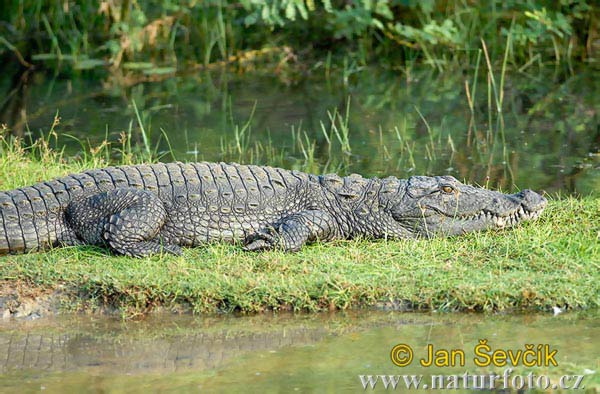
(550, 263)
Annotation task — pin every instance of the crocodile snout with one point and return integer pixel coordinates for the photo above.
(531, 200)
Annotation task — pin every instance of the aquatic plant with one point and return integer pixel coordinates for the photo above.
(159, 37)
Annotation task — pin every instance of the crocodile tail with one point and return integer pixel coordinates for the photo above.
(18, 232)
(4, 249)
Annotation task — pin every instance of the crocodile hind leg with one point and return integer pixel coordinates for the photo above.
(128, 220)
(293, 231)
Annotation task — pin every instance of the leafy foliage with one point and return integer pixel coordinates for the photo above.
(93, 33)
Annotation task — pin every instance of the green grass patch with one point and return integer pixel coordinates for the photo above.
(552, 262)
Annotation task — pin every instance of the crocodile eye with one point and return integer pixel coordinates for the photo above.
(447, 189)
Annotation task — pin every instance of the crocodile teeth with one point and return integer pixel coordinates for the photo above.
(500, 222)
(511, 219)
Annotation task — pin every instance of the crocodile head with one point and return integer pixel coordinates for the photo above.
(441, 205)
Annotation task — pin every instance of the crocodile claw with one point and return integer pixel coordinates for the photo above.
(257, 246)
(260, 241)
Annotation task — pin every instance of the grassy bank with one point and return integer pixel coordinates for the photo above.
(553, 262)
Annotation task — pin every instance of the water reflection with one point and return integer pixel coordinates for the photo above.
(267, 353)
(547, 135)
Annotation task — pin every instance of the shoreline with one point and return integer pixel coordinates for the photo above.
(536, 267)
(552, 262)
(19, 302)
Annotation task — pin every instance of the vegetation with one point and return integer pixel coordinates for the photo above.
(161, 37)
(553, 262)
(500, 93)
(498, 126)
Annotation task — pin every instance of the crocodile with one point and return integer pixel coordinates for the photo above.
(140, 210)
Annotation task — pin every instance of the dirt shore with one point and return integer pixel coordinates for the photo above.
(24, 301)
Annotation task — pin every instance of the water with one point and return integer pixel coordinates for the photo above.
(271, 353)
(547, 136)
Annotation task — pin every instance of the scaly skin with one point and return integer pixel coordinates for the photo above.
(147, 209)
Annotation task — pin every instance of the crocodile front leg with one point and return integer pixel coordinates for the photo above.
(128, 220)
(293, 231)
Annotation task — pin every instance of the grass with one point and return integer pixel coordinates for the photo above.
(152, 39)
(553, 262)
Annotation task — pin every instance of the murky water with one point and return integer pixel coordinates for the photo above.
(546, 137)
(265, 353)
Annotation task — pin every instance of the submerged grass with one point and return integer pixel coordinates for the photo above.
(553, 262)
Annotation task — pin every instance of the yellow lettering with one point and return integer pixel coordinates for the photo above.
(482, 351)
(461, 357)
(549, 357)
(442, 358)
(499, 358)
(514, 357)
(529, 352)
(426, 362)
